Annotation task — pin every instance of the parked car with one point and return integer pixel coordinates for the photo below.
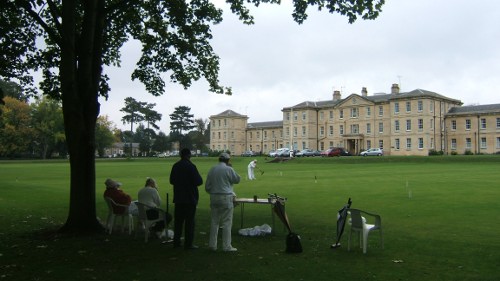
(272, 153)
(372, 152)
(336, 151)
(305, 153)
(283, 152)
(248, 153)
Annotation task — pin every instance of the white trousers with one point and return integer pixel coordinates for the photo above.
(251, 174)
(221, 210)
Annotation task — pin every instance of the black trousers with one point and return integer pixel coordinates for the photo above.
(184, 216)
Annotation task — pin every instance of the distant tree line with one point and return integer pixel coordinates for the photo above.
(36, 129)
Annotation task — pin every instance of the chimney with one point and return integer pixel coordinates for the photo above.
(336, 95)
(395, 89)
(364, 92)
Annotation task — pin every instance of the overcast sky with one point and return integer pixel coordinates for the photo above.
(450, 47)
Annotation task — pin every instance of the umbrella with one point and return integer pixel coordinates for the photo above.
(293, 244)
(341, 217)
(279, 209)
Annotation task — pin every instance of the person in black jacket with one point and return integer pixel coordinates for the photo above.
(185, 178)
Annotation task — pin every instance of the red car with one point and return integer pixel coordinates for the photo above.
(335, 151)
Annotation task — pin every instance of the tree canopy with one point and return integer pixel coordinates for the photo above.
(69, 42)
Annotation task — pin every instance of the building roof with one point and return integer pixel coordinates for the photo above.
(267, 124)
(474, 109)
(375, 98)
(229, 113)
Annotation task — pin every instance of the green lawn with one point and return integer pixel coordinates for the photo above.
(439, 216)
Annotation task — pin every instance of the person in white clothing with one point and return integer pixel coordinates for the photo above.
(251, 169)
(219, 185)
(149, 196)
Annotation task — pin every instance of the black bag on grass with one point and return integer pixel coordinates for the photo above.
(293, 244)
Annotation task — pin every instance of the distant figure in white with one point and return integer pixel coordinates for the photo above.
(251, 169)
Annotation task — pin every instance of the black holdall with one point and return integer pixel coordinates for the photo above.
(293, 244)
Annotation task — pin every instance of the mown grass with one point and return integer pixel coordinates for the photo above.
(439, 217)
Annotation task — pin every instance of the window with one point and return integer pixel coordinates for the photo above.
(232, 135)
(408, 125)
(380, 127)
(420, 124)
(432, 107)
(483, 123)
(304, 145)
(341, 114)
(368, 128)
(396, 108)
(454, 125)
(354, 112)
(218, 121)
(368, 111)
(468, 143)
(331, 114)
(294, 131)
(498, 142)
(331, 144)
(354, 129)
(295, 116)
(483, 143)
(396, 125)
(265, 135)
(303, 130)
(304, 115)
(454, 144)
(432, 143)
(218, 135)
(331, 130)
(381, 144)
(420, 143)
(397, 144)
(257, 135)
(420, 106)
(467, 124)
(341, 129)
(408, 106)
(321, 131)
(380, 111)
(408, 143)
(322, 146)
(225, 135)
(498, 123)
(368, 144)
(321, 113)
(288, 116)
(431, 124)
(287, 131)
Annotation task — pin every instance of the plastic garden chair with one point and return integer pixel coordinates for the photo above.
(111, 220)
(146, 223)
(359, 224)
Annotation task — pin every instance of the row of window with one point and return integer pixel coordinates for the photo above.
(355, 111)
(483, 144)
(468, 124)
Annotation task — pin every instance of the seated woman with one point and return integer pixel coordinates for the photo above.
(114, 192)
(149, 196)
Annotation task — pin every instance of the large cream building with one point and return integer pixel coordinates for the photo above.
(401, 123)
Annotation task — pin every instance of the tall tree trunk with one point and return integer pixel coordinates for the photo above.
(80, 74)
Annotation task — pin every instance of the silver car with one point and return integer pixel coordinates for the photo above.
(372, 152)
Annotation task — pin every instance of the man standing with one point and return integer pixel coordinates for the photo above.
(219, 184)
(185, 178)
(251, 169)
